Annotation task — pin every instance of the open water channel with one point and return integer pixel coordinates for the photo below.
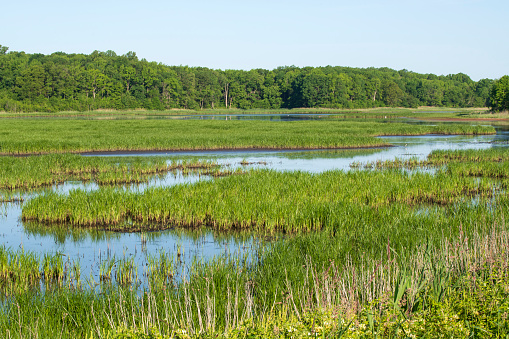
(91, 246)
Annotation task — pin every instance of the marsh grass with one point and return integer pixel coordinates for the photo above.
(39, 136)
(489, 163)
(381, 112)
(38, 171)
(261, 200)
(398, 254)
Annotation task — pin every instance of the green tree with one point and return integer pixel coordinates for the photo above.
(271, 93)
(31, 82)
(172, 90)
(315, 89)
(105, 80)
(482, 92)
(391, 93)
(499, 95)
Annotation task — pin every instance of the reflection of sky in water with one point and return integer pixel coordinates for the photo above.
(90, 246)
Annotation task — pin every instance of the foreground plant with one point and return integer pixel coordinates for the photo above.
(454, 290)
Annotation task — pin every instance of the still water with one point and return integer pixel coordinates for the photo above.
(91, 246)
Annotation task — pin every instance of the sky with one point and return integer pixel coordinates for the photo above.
(433, 36)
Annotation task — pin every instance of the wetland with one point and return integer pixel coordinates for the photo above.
(207, 235)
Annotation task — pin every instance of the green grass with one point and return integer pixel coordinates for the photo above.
(492, 155)
(262, 200)
(457, 288)
(488, 163)
(33, 135)
(45, 170)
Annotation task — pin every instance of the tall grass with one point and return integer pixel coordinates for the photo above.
(398, 291)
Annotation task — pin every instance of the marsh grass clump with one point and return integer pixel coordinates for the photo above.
(491, 155)
(53, 268)
(161, 270)
(24, 271)
(261, 200)
(126, 272)
(37, 171)
(18, 269)
(106, 269)
(489, 163)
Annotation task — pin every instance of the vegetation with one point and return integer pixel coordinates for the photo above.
(35, 171)
(490, 162)
(382, 113)
(457, 288)
(367, 253)
(28, 136)
(104, 80)
(500, 94)
(266, 201)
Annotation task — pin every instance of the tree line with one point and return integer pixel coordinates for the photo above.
(105, 80)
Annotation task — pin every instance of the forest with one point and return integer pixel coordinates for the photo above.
(105, 80)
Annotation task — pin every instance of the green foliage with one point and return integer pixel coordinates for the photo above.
(104, 80)
(499, 96)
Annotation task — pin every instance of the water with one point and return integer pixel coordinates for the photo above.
(90, 246)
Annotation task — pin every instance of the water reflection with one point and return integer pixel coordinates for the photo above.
(91, 246)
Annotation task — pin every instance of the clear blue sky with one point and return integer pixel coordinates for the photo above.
(434, 36)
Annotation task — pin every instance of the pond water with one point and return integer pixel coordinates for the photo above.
(90, 246)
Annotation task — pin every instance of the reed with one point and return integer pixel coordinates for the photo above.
(455, 285)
